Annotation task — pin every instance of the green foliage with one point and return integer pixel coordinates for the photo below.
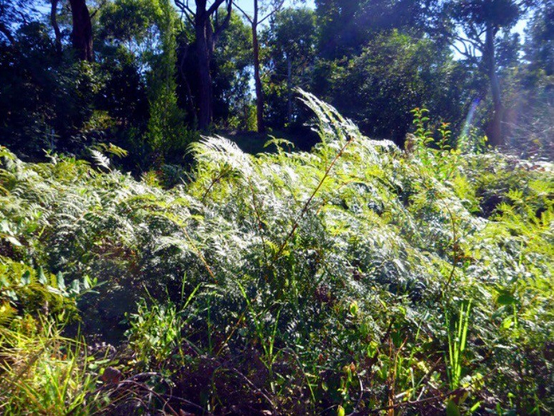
(128, 20)
(323, 280)
(231, 68)
(457, 342)
(154, 332)
(373, 59)
(395, 73)
(24, 290)
(44, 373)
(291, 52)
(46, 100)
(166, 133)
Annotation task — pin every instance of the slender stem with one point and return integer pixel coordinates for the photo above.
(309, 201)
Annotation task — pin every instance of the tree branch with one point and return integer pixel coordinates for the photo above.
(245, 14)
(102, 4)
(54, 21)
(4, 30)
(275, 10)
(185, 9)
(216, 5)
(477, 45)
(225, 23)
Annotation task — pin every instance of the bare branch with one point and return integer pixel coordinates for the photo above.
(275, 10)
(245, 14)
(468, 41)
(466, 52)
(184, 8)
(476, 36)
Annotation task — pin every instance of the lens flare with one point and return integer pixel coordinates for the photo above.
(470, 115)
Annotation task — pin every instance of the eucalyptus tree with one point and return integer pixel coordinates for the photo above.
(82, 30)
(345, 26)
(208, 24)
(474, 32)
(262, 11)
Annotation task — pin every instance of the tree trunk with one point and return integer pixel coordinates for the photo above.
(258, 81)
(289, 89)
(494, 130)
(204, 75)
(54, 21)
(206, 37)
(190, 98)
(82, 30)
(257, 78)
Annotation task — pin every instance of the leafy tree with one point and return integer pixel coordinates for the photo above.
(129, 23)
(539, 45)
(477, 24)
(290, 41)
(127, 30)
(166, 130)
(45, 103)
(345, 27)
(262, 12)
(394, 74)
(339, 33)
(232, 74)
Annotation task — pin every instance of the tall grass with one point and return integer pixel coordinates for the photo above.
(44, 373)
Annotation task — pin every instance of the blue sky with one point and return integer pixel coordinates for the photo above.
(247, 5)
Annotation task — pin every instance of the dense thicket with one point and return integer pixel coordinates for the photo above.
(353, 278)
(397, 260)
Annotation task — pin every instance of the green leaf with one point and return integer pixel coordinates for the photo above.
(474, 407)
(26, 278)
(14, 241)
(41, 276)
(60, 281)
(452, 409)
(86, 282)
(506, 299)
(75, 287)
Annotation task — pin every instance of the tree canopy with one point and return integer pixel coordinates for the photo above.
(81, 73)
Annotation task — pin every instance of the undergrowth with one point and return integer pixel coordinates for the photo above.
(354, 279)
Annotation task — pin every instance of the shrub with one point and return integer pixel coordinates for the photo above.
(314, 282)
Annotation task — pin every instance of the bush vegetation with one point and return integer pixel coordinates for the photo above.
(353, 279)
